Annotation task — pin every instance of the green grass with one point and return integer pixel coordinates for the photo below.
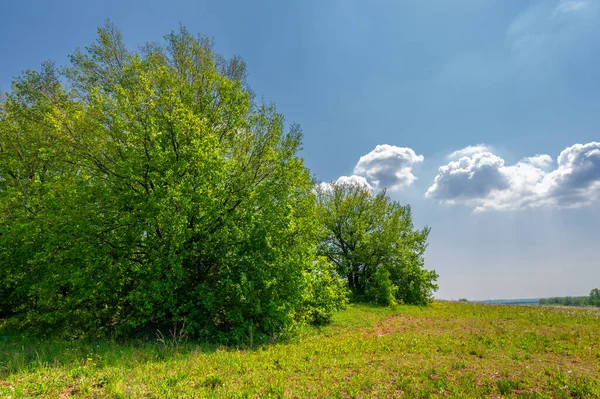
(448, 350)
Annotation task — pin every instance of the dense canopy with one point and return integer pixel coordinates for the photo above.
(372, 242)
(142, 189)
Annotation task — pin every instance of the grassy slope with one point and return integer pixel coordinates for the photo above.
(458, 350)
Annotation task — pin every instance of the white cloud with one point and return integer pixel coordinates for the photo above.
(321, 187)
(551, 34)
(483, 180)
(469, 150)
(469, 178)
(571, 6)
(388, 166)
(355, 180)
(576, 181)
(543, 161)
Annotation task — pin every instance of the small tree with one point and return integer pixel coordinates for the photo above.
(371, 240)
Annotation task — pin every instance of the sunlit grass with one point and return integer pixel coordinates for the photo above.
(448, 350)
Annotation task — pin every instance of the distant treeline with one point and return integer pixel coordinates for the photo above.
(592, 300)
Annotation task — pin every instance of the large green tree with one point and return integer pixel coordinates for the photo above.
(372, 242)
(139, 189)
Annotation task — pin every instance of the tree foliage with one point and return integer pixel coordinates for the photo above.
(373, 244)
(142, 189)
(139, 189)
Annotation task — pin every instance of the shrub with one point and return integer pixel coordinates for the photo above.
(325, 292)
(381, 290)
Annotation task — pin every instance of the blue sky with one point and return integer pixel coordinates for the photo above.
(485, 112)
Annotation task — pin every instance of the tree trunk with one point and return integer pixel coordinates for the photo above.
(356, 283)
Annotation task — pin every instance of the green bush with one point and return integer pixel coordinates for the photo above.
(381, 290)
(325, 293)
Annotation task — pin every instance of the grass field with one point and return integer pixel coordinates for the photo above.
(448, 350)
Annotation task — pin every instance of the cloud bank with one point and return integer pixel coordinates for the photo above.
(483, 180)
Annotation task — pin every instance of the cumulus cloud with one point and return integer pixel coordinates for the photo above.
(354, 179)
(388, 166)
(485, 182)
(469, 178)
(576, 181)
(470, 150)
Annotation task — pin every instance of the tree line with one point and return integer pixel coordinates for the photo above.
(591, 300)
(144, 188)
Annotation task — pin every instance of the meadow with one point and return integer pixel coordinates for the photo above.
(446, 350)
